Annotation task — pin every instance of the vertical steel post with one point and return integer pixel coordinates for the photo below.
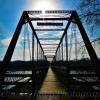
(37, 50)
(24, 44)
(39, 53)
(62, 49)
(75, 37)
(33, 69)
(66, 42)
(33, 47)
(67, 63)
(59, 54)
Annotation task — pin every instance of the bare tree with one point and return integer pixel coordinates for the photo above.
(90, 12)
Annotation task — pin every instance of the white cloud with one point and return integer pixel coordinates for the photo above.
(6, 42)
(42, 34)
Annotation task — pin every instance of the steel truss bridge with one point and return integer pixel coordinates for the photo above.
(80, 78)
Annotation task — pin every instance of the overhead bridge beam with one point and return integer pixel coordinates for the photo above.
(50, 11)
(49, 24)
(45, 18)
(49, 38)
(58, 11)
(49, 44)
(50, 29)
(34, 12)
(49, 47)
(49, 50)
(49, 56)
(51, 19)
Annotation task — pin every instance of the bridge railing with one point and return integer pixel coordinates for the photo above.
(74, 74)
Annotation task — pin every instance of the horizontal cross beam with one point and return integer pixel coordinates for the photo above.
(49, 55)
(45, 18)
(49, 24)
(49, 29)
(49, 38)
(50, 11)
(49, 44)
(34, 12)
(49, 50)
(49, 47)
(58, 11)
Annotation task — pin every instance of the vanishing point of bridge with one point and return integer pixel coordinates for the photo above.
(57, 69)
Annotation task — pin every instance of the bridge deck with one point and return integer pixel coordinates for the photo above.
(51, 84)
(52, 89)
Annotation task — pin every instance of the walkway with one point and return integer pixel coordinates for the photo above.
(52, 88)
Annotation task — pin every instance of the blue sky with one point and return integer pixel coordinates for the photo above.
(10, 12)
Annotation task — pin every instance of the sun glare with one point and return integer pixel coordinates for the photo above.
(43, 5)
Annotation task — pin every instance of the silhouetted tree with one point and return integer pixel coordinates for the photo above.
(90, 12)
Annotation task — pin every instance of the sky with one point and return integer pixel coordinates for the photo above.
(11, 10)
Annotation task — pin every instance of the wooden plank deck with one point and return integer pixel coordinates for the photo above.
(52, 89)
(51, 84)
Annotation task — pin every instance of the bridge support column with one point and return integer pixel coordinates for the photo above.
(62, 49)
(67, 64)
(33, 47)
(37, 50)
